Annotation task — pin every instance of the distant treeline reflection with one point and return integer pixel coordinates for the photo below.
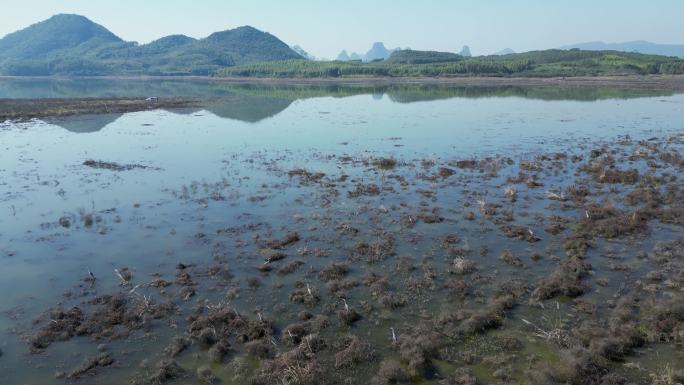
(253, 102)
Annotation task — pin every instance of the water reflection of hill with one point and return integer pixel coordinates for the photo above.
(248, 108)
(85, 123)
(255, 102)
(65, 88)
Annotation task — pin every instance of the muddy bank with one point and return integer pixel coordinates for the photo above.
(24, 109)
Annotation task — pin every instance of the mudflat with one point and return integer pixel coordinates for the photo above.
(20, 109)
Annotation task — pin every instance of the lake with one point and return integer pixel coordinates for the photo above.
(342, 234)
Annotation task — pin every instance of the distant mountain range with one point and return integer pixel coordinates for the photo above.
(74, 45)
(377, 52)
(505, 51)
(465, 52)
(644, 47)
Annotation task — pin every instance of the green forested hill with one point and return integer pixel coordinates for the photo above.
(74, 45)
(422, 57)
(59, 33)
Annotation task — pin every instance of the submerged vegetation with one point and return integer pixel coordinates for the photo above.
(546, 271)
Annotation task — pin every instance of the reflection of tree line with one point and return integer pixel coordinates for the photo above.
(417, 93)
(255, 102)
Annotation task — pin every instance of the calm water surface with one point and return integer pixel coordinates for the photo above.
(225, 165)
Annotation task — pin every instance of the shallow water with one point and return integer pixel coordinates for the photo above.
(225, 166)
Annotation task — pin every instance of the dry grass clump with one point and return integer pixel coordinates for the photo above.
(511, 193)
(304, 294)
(334, 271)
(391, 300)
(165, 371)
(665, 252)
(379, 287)
(603, 171)
(299, 366)
(339, 287)
(279, 244)
(556, 225)
(177, 345)
(385, 163)
(364, 190)
(353, 352)
(598, 344)
(565, 280)
(391, 372)
(665, 321)
(467, 164)
(578, 193)
(510, 259)
(306, 177)
(461, 376)
(417, 348)
(220, 322)
(261, 349)
(462, 266)
(348, 316)
(290, 267)
(90, 365)
(430, 218)
(607, 221)
(457, 287)
(206, 376)
(489, 317)
(375, 252)
(445, 172)
(522, 233)
(218, 352)
(111, 315)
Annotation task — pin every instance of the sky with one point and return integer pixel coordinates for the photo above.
(324, 28)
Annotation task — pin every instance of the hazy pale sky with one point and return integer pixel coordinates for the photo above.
(324, 28)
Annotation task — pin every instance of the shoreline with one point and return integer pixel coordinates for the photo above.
(25, 109)
(655, 82)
